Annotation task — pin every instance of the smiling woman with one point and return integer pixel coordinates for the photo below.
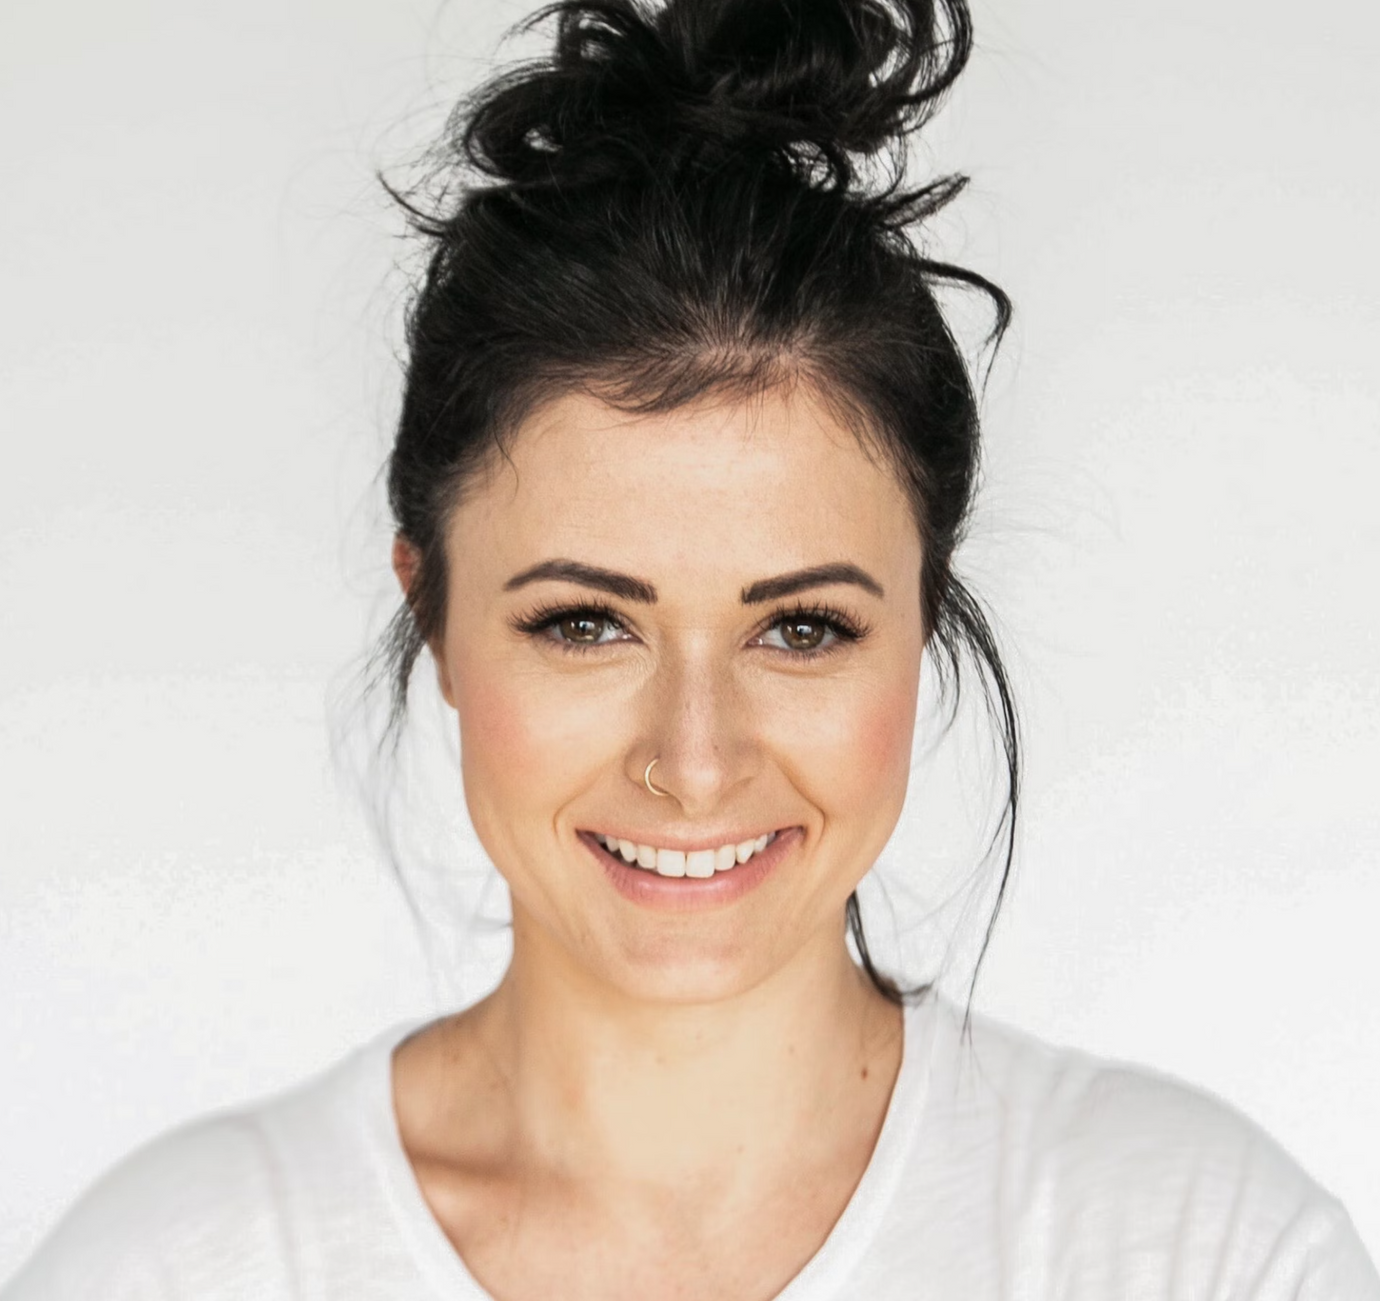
(685, 452)
(772, 681)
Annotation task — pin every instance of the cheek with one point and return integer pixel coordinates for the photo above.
(497, 728)
(887, 733)
(526, 743)
(876, 749)
(851, 753)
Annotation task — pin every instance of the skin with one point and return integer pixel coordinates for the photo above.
(663, 1102)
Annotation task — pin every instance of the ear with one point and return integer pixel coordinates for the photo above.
(407, 564)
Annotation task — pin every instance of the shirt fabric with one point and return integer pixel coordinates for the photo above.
(1006, 1168)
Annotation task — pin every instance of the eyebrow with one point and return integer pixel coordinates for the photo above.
(798, 580)
(573, 571)
(638, 589)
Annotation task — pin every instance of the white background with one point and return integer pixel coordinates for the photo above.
(199, 305)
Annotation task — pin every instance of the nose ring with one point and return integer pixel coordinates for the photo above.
(647, 778)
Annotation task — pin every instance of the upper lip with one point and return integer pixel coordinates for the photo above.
(670, 841)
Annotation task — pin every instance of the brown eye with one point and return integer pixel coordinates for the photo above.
(581, 628)
(573, 627)
(801, 634)
(809, 634)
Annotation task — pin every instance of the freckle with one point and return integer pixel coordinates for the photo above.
(864, 1072)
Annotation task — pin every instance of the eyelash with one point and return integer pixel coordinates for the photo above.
(845, 628)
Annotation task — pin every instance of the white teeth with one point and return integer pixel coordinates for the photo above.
(699, 863)
(670, 862)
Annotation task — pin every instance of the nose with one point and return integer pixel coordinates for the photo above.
(698, 726)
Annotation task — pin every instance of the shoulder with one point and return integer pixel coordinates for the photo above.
(1123, 1172)
(213, 1209)
(1118, 1122)
(164, 1221)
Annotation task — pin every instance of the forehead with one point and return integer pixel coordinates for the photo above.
(747, 486)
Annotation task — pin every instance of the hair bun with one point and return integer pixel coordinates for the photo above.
(809, 81)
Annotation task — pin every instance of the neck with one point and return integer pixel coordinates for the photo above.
(676, 1095)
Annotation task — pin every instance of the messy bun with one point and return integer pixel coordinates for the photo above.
(809, 81)
(703, 196)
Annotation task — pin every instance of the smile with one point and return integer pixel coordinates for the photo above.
(702, 863)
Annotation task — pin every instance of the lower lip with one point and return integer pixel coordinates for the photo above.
(683, 893)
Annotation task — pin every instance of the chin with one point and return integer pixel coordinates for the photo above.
(681, 971)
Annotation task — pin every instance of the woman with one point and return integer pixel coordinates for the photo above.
(685, 451)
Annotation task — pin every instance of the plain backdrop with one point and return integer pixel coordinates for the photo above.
(201, 287)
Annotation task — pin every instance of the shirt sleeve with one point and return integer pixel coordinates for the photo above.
(194, 1215)
(1334, 1267)
(1165, 1192)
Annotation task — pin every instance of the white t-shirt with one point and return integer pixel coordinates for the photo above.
(1006, 1168)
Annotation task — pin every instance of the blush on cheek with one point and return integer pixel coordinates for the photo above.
(882, 738)
(890, 732)
(496, 725)
(517, 762)
(527, 751)
(860, 752)
(510, 765)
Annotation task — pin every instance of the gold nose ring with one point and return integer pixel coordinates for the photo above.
(647, 778)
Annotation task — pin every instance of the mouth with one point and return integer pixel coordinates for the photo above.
(700, 864)
(679, 880)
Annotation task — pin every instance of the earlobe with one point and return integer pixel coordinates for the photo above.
(406, 562)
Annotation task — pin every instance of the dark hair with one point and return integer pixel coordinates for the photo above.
(705, 197)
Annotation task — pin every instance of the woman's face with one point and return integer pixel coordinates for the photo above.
(632, 587)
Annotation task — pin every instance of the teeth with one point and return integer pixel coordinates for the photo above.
(701, 863)
(670, 862)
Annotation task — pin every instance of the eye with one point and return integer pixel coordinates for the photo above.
(803, 634)
(584, 629)
(573, 627)
(811, 633)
